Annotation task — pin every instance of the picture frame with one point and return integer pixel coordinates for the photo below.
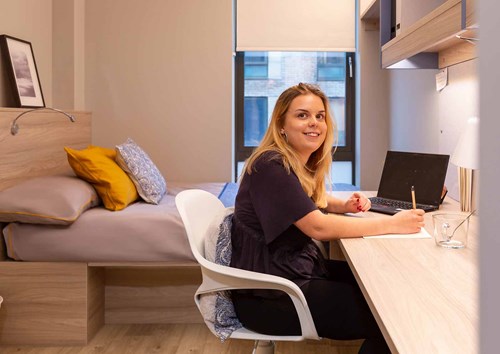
(22, 72)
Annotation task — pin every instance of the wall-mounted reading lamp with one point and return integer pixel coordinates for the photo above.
(468, 39)
(14, 128)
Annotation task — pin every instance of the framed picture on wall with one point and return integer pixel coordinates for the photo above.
(22, 72)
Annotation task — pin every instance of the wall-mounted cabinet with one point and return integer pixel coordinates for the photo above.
(369, 12)
(432, 40)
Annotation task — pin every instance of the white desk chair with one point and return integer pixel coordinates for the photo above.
(197, 209)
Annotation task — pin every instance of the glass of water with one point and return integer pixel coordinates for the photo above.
(451, 229)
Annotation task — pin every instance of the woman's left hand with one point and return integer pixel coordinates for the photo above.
(357, 202)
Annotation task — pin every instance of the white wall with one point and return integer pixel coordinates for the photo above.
(160, 72)
(425, 120)
(68, 54)
(489, 72)
(414, 113)
(456, 103)
(372, 111)
(29, 20)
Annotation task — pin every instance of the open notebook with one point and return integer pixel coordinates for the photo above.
(422, 234)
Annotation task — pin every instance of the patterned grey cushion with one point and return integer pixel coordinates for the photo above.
(226, 320)
(148, 180)
(217, 308)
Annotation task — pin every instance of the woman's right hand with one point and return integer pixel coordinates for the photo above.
(407, 221)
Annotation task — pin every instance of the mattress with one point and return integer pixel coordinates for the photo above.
(141, 232)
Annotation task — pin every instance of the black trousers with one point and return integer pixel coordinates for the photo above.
(337, 305)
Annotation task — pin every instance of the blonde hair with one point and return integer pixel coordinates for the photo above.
(313, 175)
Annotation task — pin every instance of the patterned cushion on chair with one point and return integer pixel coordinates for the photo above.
(217, 308)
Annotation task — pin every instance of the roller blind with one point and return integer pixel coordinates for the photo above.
(295, 25)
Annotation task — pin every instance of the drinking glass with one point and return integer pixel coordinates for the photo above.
(451, 229)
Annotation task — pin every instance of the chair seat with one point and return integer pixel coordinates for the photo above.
(244, 333)
(198, 210)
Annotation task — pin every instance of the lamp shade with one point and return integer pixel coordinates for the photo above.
(466, 152)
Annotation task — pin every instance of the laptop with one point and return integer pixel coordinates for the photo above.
(402, 170)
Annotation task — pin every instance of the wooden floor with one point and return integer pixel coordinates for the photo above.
(179, 339)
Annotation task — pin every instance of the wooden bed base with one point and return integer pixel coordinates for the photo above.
(58, 303)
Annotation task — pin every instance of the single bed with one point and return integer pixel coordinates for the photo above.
(141, 232)
(62, 283)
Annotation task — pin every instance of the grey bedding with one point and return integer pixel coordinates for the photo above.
(140, 233)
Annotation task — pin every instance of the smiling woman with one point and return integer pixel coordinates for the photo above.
(261, 76)
(305, 125)
(282, 209)
(300, 110)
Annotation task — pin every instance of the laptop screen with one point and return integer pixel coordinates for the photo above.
(402, 170)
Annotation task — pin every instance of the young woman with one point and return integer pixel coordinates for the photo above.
(282, 205)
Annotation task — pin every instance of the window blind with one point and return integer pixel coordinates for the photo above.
(295, 25)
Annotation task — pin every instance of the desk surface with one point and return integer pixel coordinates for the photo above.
(424, 297)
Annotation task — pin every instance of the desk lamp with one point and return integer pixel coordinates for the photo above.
(466, 158)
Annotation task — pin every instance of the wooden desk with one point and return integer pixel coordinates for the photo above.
(424, 297)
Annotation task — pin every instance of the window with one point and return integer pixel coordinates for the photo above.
(337, 104)
(255, 119)
(331, 66)
(256, 65)
(262, 76)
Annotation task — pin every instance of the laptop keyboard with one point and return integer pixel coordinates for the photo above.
(397, 204)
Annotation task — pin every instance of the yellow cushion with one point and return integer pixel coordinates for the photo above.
(97, 166)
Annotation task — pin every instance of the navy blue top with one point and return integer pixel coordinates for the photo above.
(263, 236)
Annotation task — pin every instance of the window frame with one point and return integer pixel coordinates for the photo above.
(341, 153)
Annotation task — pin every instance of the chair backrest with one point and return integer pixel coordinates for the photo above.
(197, 208)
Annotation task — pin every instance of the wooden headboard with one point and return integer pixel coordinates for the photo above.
(38, 148)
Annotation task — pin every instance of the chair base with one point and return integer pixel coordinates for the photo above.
(263, 347)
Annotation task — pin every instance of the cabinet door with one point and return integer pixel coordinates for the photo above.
(407, 12)
(431, 40)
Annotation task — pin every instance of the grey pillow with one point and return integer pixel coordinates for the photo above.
(148, 180)
(55, 200)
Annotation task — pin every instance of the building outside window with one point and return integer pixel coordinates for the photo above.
(255, 120)
(256, 66)
(331, 66)
(262, 76)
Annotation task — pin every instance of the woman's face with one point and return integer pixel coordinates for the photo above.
(305, 125)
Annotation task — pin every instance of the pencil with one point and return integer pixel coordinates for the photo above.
(413, 197)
